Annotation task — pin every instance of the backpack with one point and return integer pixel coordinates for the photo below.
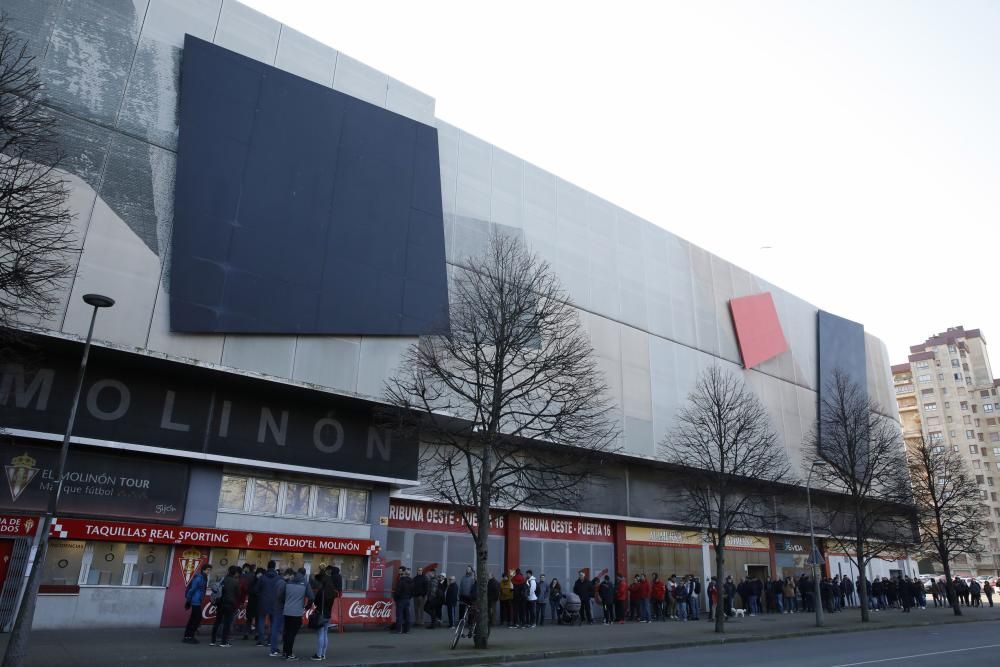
(216, 592)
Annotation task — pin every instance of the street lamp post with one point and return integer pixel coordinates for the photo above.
(17, 647)
(814, 556)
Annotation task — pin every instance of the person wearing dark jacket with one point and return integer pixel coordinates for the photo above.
(266, 587)
(729, 593)
(323, 594)
(229, 599)
(434, 599)
(492, 597)
(520, 598)
(195, 594)
(607, 593)
(247, 579)
(451, 601)
(403, 596)
(419, 597)
(584, 590)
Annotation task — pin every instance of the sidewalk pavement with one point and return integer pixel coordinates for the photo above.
(129, 646)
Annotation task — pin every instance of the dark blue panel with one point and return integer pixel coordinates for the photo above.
(299, 209)
(841, 348)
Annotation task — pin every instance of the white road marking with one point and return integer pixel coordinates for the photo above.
(918, 655)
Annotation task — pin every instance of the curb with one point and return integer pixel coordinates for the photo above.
(534, 656)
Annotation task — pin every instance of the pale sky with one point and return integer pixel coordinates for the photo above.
(858, 139)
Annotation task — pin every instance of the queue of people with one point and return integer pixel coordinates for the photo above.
(273, 602)
(527, 600)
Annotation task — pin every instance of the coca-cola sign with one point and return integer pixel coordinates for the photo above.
(369, 611)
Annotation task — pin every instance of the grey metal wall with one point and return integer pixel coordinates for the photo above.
(655, 305)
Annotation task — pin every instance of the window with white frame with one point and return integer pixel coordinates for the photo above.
(930, 406)
(987, 407)
(924, 378)
(972, 448)
(971, 435)
(923, 364)
(936, 436)
(79, 563)
(271, 497)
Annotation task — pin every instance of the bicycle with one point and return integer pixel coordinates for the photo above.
(469, 619)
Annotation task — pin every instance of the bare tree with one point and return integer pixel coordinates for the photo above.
(860, 459)
(509, 406)
(732, 457)
(35, 236)
(949, 507)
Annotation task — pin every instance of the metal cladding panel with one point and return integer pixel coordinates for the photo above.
(758, 330)
(300, 209)
(841, 348)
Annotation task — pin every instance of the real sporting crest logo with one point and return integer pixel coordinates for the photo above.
(20, 472)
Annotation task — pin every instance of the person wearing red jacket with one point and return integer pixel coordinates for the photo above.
(645, 591)
(621, 594)
(633, 599)
(659, 594)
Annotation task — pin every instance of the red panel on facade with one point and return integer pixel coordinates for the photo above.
(757, 328)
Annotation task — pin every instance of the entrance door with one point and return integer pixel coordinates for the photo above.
(762, 572)
(6, 552)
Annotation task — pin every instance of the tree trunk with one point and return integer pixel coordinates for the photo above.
(720, 577)
(949, 586)
(863, 587)
(482, 549)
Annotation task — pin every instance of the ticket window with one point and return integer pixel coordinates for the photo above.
(288, 559)
(256, 558)
(221, 559)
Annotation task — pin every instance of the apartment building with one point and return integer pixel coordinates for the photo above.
(946, 392)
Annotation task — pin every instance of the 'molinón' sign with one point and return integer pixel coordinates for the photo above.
(138, 400)
(112, 531)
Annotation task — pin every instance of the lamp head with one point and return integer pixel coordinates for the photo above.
(98, 300)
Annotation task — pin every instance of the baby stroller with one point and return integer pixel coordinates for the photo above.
(569, 609)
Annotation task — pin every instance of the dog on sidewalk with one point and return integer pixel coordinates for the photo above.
(739, 613)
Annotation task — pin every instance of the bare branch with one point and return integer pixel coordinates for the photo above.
(732, 459)
(509, 407)
(35, 236)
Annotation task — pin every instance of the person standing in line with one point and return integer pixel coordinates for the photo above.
(584, 590)
(466, 590)
(694, 602)
(531, 586)
(225, 608)
(294, 599)
(403, 597)
(247, 601)
(975, 592)
(659, 593)
(451, 601)
(506, 601)
(633, 599)
(988, 592)
(433, 599)
(555, 599)
(543, 598)
(713, 597)
(253, 602)
(266, 590)
(607, 593)
(520, 599)
(278, 614)
(729, 596)
(681, 595)
(492, 597)
(645, 594)
(419, 597)
(323, 594)
(195, 594)
(621, 596)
